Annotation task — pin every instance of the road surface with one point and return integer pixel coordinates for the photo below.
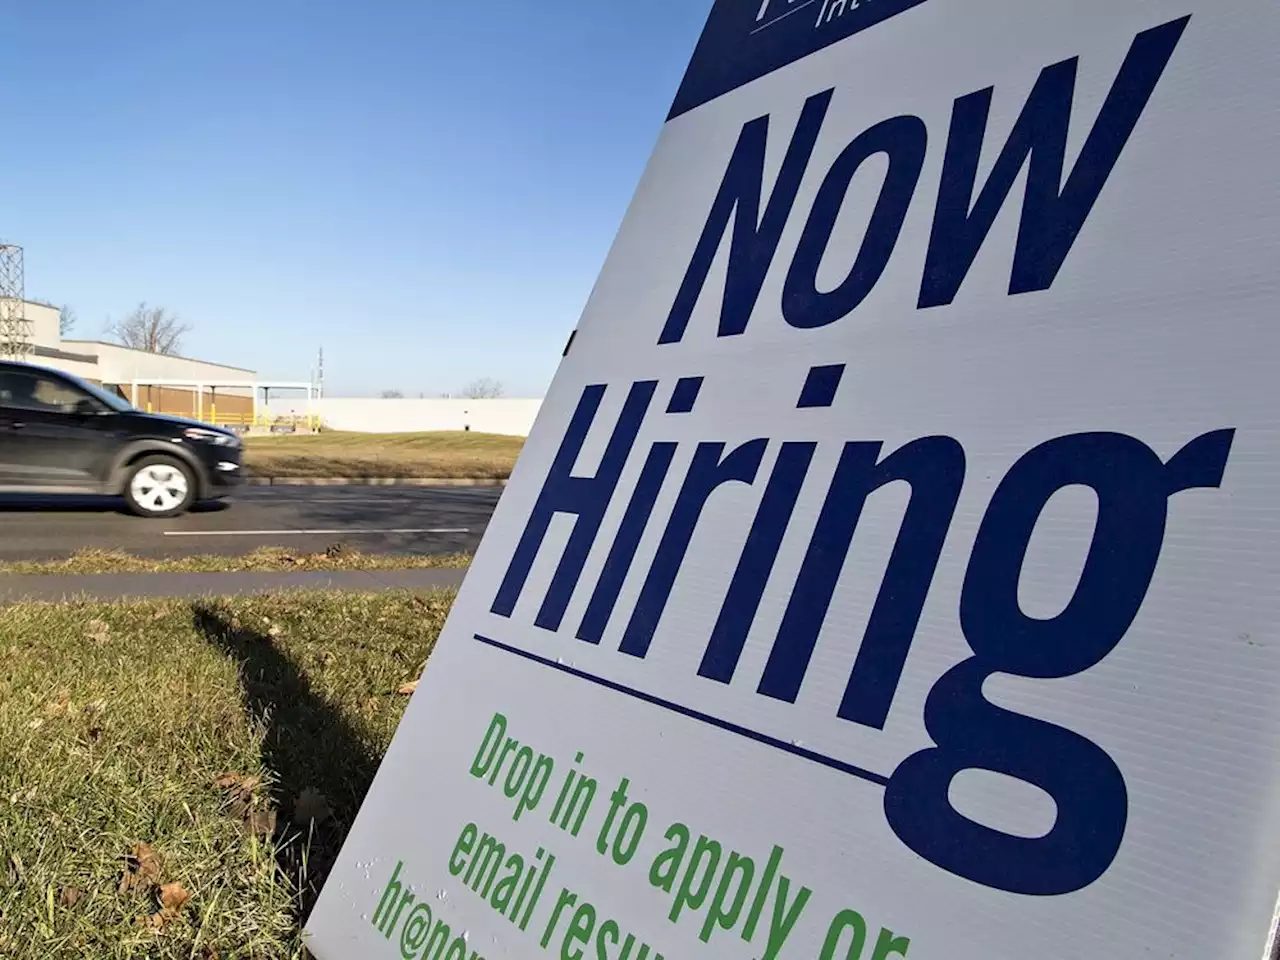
(308, 519)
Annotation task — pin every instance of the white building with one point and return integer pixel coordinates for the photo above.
(164, 384)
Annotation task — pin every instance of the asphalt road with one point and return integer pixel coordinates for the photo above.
(371, 519)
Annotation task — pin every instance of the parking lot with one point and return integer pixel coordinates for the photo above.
(371, 519)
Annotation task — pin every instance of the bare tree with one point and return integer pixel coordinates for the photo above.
(391, 395)
(153, 329)
(482, 389)
(66, 319)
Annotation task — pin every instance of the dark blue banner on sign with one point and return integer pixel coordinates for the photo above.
(746, 39)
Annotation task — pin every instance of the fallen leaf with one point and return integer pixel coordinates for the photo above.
(148, 861)
(36, 724)
(275, 631)
(141, 869)
(311, 807)
(17, 872)
(159, 615)
(419, 602)
(97, 631)
(173, 897)
(70, 896)
(407, 689)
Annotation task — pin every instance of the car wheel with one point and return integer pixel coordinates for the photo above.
(160, 487)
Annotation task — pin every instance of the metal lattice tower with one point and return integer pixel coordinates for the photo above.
(15, 328)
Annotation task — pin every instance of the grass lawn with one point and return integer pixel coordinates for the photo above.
(176, 777)
(470, 455)
(264, 560)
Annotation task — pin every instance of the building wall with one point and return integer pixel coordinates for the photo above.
(512, 417)
(180, 402)
(114, 366)
(44, 324)
(121, 365)
(80, 365)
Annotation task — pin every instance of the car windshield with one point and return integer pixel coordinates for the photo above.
(112, 400)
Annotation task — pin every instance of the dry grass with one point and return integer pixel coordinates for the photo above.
(264, 560)
(221, 746)
(395, 455)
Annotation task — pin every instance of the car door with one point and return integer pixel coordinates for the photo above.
(52, 435)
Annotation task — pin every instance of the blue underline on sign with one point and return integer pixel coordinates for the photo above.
(725, 725)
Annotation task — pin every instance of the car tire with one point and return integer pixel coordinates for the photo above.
(159, 487)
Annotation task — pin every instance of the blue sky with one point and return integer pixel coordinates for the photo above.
(426, 190)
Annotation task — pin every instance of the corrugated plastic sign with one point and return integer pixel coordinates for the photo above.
(892, 570)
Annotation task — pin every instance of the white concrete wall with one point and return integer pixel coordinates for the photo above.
(374, 415)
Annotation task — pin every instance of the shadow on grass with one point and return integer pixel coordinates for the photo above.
(309, 746)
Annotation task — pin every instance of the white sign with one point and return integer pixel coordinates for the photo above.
(892, 570)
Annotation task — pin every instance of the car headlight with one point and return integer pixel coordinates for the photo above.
(215, 437)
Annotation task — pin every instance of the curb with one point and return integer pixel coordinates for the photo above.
(372, 482)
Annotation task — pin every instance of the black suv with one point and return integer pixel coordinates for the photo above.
(61, 435)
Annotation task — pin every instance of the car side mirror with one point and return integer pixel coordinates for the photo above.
(86, 408)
